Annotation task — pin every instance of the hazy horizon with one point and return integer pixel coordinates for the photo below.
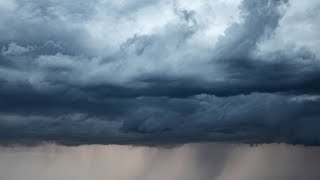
(204, 161)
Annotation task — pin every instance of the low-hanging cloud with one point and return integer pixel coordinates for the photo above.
(116, 72)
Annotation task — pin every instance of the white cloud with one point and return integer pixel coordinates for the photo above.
(14, 49)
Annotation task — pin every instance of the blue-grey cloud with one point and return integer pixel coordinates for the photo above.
(116, 72)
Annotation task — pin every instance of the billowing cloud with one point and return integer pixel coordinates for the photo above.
(159, 72)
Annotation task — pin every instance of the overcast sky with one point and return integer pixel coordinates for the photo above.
(158, 72)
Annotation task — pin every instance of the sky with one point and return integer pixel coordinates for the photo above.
(159, 72)
(159, 89)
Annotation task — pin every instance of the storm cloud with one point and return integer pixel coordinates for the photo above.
(159, 72)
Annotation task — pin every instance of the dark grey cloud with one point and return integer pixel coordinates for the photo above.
(117, 72)
(255, 118)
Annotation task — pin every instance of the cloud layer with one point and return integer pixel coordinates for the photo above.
(159, 72)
